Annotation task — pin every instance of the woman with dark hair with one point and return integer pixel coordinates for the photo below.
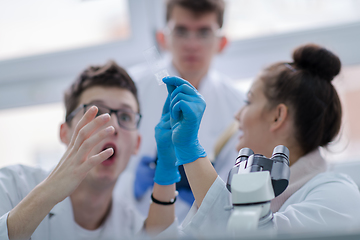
(291, 104)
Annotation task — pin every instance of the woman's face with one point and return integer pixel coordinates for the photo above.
(254, 121)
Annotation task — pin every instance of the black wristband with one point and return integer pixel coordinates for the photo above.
(172, 201)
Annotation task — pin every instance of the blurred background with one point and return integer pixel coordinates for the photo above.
(44, 44)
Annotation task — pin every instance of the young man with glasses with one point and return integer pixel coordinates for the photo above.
(193, 38)
(75, 200)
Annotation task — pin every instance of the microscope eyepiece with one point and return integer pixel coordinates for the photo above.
(244, 154)
(277, 165)
(282, 152)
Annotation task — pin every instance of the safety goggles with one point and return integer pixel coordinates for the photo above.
(127, 119)
(181, 34)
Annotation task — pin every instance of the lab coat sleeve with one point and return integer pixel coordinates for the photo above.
(3, 227)
(8, 199)
(170, 232)
(16, 181)
(326, 202)
(211, 217)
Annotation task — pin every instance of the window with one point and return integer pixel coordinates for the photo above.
(346, 146)
(30, 135)
(255, 18)
(43, 26)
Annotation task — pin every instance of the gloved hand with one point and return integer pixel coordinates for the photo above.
(187, 107)
(166, 171)
(144, 177)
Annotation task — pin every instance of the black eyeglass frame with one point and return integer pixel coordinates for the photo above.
(84, 106)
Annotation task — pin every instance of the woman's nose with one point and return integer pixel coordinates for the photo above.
(237, 115)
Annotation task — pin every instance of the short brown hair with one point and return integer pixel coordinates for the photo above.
(304, 85)
(108, 75)
(198, 7)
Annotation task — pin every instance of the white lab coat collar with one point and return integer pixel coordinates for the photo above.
(304, 169)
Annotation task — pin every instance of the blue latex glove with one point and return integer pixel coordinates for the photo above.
(187, 107)
(145, 173)
(166, 171)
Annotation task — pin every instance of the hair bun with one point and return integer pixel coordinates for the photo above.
(318, 61)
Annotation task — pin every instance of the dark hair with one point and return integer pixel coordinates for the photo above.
(305, 87)
(108, 75)
(198, 7)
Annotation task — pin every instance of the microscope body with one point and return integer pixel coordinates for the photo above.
(254, 181)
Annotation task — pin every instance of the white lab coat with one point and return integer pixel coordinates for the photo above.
(223, 100)
(18, 180)
(328, 201)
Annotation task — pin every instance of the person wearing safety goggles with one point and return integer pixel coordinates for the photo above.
(75, 200)
(191, 38)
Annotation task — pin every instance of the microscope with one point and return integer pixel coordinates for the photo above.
(253, 182)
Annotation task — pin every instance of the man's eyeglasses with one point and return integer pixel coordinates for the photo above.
(127, 119)
(204, 35)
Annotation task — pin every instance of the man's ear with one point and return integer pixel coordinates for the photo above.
(279, 116)
(64, 131)
(137, 144)
(222, 44)
(160, 38)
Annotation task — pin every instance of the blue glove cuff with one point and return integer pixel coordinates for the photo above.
(166, 175)
(188, 156)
